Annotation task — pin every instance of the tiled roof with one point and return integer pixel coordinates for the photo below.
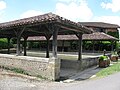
(43, 19)
(98, 36)
(31, 20)
(93, 36)
(99, 24)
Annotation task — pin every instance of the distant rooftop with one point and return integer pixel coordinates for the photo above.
(99, 24)
(93, 36)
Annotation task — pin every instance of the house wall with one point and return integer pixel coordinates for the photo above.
(48, 68)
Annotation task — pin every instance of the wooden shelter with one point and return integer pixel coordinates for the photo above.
(43, 25)
(97, 36)
(94, 36)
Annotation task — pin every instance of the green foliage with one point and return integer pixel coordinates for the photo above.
(106, 45)
(103, 58)
(88, 45)
(118, 45)
(19, 70)
(41, 77)
(37, 45)
(16, 70)
(4, 43)
(114, 34)
(108, 71)
(74, 45)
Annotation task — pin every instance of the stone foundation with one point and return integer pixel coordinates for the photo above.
(79, 65)
(48, 68)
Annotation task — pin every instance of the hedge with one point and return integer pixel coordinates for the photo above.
(4, 43)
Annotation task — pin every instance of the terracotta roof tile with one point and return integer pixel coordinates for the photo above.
(99, 24)
(93, 36)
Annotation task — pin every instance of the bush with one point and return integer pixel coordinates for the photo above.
(4, 43)
(88, 45)
(114, 34)
(102, 58)
(33, 45)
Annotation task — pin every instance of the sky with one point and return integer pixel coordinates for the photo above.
(75, 10)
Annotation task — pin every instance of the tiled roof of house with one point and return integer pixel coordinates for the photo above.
(98, 36)
(99, 24)
(93, 36)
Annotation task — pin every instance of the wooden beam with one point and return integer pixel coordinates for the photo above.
(18, 46)
(80, 46)
(69, 28)
(25, 45)
(8, 45)
(93, 46)
(18, 35)
(63, 46)
(112, 45)
(54, 43)
(47, 36)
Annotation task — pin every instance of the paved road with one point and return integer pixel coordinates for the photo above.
(111, 82)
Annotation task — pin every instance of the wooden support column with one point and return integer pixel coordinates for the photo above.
(18, 35)
(25, 45)
(8, 45)
(18, 46)
(80, 46)
(54, 43)
(63, 46)
(112, 45)
(48, 41)
(115, 45)
(99, 43)
(93, 46)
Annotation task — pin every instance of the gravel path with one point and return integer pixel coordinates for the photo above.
(13, 81)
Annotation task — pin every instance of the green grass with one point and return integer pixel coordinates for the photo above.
(109, 70)
(68, 57)
(16, 70)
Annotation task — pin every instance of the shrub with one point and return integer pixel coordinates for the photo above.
(33, 45)
(4, 43)
(103, 58)
(114, 34)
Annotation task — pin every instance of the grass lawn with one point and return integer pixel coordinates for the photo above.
(109, 70)
(61, 56)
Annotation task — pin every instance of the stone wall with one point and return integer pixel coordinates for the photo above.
(79, 65)
(45, 67)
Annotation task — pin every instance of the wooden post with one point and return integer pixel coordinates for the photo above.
(116, 45)
(54, 43)
(25, 45)
(112, 46)
(63, 46)
(93, 46)
(47, 49)
(18, 46)
(8, 44)
(47, 36)
(18, 35)
(80, 46)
